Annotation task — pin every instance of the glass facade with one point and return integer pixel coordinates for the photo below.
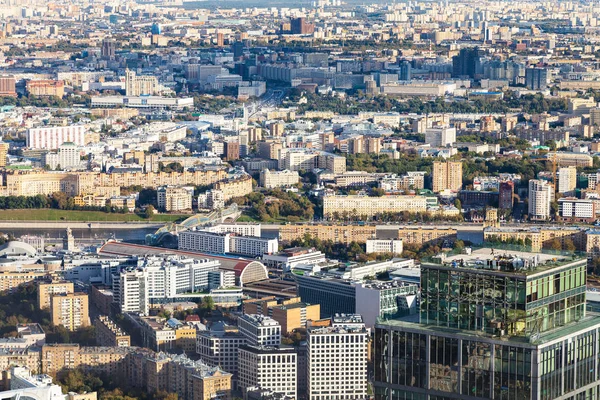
(491, 334)
(501, 303)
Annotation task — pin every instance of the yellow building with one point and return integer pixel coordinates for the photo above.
(21, 183)
(45, 88)
(447, 176)
(366, 207)
(3, 153)
(291, 313)
(336, 233)
(185, 338)
(108, 333)
(540, 238)
(10, 281)
(47, 290)
(70, 310)
(421, 235)
(29, 358)
(235, 187)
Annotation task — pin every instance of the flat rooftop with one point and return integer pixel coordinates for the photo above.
(508, 261)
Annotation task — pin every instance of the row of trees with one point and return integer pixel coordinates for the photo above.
(21, 307)
(108, 387)
(535, 104)
(340, 251)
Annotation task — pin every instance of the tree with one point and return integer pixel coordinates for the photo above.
(569, 245)
(556, 245)
(149, 212)
(208, 303)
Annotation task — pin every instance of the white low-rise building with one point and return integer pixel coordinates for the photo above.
(393, 246)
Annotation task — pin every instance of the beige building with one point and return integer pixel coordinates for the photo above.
(70, 310)
(593, 243)
(140, 85)
(335, 207)
(29, 358)
(235, 187)
(572, 159)
(174, 198)
(19, 183)
(540, 238)
(447, 176)
(421, 236)
(291, 313)
(3, 153)
(45, 88)
(336, 233)
(273, 179)
(47, 290)
(10, 281)
(108, 333)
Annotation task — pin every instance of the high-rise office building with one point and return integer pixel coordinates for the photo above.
(7, 86)
(536, 78)
(495, 327)
(541, 194)
(269, 368)
(447, 176)
(337, 359)
(299, 26)
(108, 49)
(505, 195)
(405, 73)
(467, 63)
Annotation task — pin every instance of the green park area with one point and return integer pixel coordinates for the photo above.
(48, 214)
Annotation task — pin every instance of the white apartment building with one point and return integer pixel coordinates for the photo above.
(52, 137)
(211, 200)
(567, 179)
(370, 206)
(173, 276)
(260, 330)
(413, 180)
(440, 136)
(171, 198)
(221, 279)
(130, 291)
(393, 246)
(161, 278)
(269, 368)
(221, 243)
(337, 361)
(541, 194)
(273, 179)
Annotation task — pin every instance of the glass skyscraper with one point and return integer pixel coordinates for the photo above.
(502, 327)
